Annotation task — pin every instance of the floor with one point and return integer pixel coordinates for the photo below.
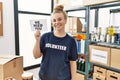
(34, 72)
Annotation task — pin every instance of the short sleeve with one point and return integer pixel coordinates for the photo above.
(73, 51)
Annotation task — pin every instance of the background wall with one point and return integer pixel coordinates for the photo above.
(26, 34)
(7, 41)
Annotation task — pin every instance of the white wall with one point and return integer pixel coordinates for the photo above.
(7, 41)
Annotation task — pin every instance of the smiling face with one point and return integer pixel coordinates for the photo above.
(58, 21)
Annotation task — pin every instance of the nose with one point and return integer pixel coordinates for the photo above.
(57, 22)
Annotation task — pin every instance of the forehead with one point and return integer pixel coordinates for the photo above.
(58, 15)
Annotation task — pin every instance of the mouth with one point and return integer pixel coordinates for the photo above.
(58, 26)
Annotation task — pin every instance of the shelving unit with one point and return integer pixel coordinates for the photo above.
(86, 9)
(110, 45)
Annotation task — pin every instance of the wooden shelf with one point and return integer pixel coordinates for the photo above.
(1, 20)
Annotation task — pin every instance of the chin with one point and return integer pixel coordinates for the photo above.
(58, 29)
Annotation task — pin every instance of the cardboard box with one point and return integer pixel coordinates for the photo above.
(80, 76)
(100, 71)
(111, 75)
(73, 25)
(11, 67)
(99, 54)
(96, 2)
(115, 58)
(98, 77)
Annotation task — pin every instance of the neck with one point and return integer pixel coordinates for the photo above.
(59, 33)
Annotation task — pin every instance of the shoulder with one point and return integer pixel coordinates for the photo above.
(70, 37)
(47, 34)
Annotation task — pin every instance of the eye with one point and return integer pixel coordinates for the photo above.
(59, 19)
(54, 20)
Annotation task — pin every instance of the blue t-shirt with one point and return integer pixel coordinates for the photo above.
(57, 54)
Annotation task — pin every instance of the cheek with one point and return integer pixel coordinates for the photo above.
(52, 23)
(64, 22)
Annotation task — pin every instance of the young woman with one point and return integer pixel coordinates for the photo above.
(58, 50)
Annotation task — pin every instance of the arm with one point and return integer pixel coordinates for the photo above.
(73, 68)
(36, 50)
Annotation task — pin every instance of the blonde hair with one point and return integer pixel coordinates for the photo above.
(59, 9)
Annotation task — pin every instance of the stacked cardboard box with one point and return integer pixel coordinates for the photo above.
(111, 75)
(105, 56)
(105, 74)
(73, 25)
(11, 67)
(115, 58)
(80, 76)
(99, 54)
(99, 73)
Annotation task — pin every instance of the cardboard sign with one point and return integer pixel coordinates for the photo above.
(40, 24)
(99, 54)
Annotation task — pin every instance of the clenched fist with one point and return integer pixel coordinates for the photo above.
(37, 35)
